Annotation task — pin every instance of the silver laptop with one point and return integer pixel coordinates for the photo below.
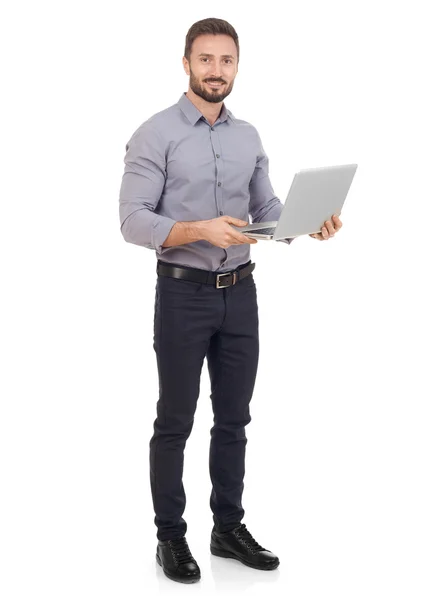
(315, 196)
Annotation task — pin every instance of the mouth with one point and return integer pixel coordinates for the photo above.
(213, 85)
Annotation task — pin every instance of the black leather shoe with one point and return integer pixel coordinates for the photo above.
(175, 557)
(239, 544)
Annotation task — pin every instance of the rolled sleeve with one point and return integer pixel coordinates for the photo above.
(141, 189)
(160, 231)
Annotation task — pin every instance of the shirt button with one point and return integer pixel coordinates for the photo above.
(217, 155)
(213, 128)
(219, 183)
(221, 213)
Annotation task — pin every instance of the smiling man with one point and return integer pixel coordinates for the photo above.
(191, 171)
(216, 89)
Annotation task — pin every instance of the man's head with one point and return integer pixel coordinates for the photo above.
(211, 55)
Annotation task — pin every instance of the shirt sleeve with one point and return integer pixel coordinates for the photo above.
(263, 204)
(141, 189)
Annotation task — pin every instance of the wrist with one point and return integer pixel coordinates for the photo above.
(198, 230)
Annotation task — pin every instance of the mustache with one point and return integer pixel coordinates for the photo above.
(213, 81)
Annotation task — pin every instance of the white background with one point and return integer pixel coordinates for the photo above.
(337, 476)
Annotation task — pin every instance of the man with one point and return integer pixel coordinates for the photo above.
(192, 171)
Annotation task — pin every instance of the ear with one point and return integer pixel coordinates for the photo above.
(186, 65)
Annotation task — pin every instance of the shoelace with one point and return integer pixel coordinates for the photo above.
(242, 533)
(180, 550)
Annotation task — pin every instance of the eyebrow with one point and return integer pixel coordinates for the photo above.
(222, 56)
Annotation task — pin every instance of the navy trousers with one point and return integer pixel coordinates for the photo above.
(193, 321)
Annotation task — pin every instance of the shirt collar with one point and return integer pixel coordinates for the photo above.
(193, 114)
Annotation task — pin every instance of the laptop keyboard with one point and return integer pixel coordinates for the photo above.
(266, 230)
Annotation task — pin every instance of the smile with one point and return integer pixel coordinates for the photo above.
(214, 85)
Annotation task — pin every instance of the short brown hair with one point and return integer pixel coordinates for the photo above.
(209, 26)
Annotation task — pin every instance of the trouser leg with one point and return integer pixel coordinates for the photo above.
(232, 361)
(186, 315)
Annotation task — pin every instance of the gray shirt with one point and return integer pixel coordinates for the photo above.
(180, 168)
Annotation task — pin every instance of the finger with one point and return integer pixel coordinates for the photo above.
(245, 239)
(330, 228)
(240, 238)
(316, 236)
(337, 222)
(234, 221)
(324, 233)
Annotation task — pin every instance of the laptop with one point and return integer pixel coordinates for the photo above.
(315, 196)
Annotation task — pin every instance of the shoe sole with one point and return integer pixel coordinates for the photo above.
(226, 554)
(190, 580)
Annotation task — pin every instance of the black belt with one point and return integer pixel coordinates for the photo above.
(220, 280)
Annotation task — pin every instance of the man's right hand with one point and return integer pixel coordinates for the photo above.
(219, 233)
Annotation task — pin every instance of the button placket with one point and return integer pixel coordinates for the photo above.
(218, 171)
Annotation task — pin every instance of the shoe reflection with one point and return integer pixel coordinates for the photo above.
(231, 574)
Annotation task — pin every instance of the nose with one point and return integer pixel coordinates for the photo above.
(216, 70)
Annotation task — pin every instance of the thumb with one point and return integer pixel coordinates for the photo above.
(235, 221)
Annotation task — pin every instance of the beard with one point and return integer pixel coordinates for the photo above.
(210, 95)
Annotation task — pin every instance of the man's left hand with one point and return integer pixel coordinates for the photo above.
(328, 230)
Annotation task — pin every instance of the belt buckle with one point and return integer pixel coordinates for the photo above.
(234, 273)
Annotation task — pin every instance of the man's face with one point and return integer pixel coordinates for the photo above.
(213, 60)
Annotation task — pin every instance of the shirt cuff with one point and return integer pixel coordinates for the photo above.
(160, 232)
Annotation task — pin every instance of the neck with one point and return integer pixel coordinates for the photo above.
(210, 110)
